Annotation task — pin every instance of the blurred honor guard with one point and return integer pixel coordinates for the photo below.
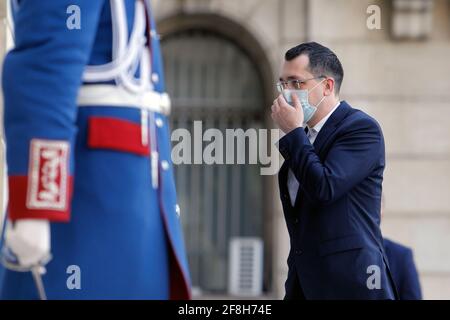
(92, 210)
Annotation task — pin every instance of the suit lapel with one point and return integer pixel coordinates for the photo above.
(330, 126)
(282, 178)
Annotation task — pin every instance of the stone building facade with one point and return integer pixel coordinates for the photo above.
(396, 70)
(396, 60)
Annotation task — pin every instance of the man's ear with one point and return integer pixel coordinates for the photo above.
(329, 86)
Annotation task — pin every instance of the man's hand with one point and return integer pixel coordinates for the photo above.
(287, 117)
(29, 241)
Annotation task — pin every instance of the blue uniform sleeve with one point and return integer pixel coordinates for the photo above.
(41, 78)
(350, 160)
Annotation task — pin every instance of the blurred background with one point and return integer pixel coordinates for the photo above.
(222, 60)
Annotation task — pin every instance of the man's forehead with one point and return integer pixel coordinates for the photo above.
(296, 68)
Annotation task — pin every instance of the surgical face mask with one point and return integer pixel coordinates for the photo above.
(303, 95)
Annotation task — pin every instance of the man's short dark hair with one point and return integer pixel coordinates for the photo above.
(322, 61)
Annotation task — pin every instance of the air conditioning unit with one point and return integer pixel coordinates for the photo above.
(245, 267)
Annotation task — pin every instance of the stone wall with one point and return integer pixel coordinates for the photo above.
(404, 84)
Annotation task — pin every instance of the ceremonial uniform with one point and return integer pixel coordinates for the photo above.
(88, 148)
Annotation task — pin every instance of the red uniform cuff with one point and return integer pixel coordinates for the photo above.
(18, 209)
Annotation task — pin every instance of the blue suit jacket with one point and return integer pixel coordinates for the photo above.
(403, 270)
(336, 243)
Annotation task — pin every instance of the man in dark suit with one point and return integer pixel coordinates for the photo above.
(403, 270)
(330, 183)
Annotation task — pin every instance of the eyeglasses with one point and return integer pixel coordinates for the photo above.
(295, 84)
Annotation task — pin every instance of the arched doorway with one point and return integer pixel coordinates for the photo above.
(212, 79)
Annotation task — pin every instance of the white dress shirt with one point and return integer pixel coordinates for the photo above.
(312, 134)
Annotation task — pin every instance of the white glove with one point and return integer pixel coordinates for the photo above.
(29, 241)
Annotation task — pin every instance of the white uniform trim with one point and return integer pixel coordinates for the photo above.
(117, 96)
(130, 91)
(125, 56)
(48, 158)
